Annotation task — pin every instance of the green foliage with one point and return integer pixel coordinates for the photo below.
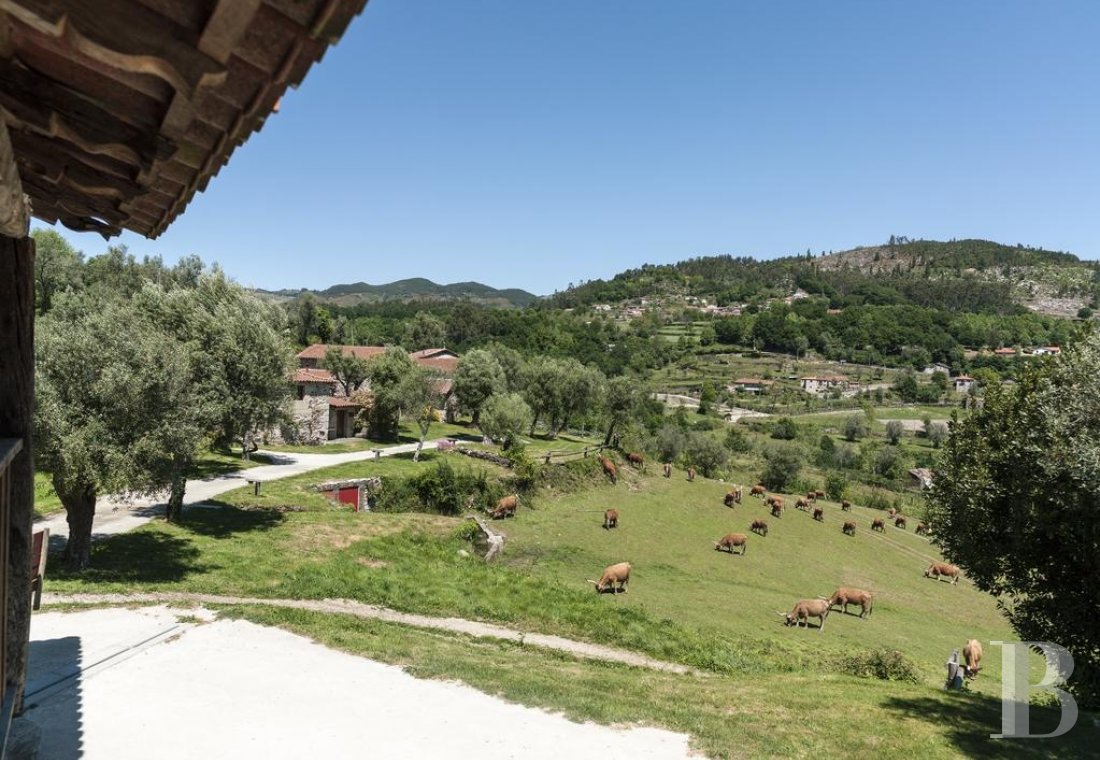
(388, 374)
(426, 330)
(836, 486)
(504, 416)
(736, 441)
(705, 452)
(348, 369)
(670, 442)
(854, 427)
(479, 376)
(440, 488)
(889, 462)
(1014, 504)
(707, 396)
(894, 431)
(782, 463)
(785, 429)
(884, 664)
(57, 266)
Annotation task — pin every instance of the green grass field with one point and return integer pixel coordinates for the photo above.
(770, 689)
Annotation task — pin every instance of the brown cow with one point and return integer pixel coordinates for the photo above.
(611, 519)
(691, 474)
(618, 573)
(731, 540)
(900, 522)
(846, 505)
(758, 490)
(668, 470)
(636, 459)
(802, 504)
(777, 509)
(849, 528)
(773, 499)
(878, 524)
(609, 469)
(760, 527)
(922, 529)
(733, 497)
(973, 654)
(811, 496)
(936, 569)
(819, 514)
(806, 609)
(506, 507)
(893, 511)
(845, 596)
(819, 494)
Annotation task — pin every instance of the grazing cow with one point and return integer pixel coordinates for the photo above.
(900, 522)
(819, 514)
(609, 469)
(806, 609)
(691, 474)
(819, 494)
(758, 490)
(773, 499)
(777, 509)
(878, 524)
(611, 519)
(846, 505)
(802, 504)
(973, 654)
(731, 540)
(636, 459)
(618, 573)
(760, 527)
(506, 507)
(893, 511)
(732, 497)
(849, 528)
(922, 529)
(668, 470)
(811, 496)
(845, 596)
(936, 569)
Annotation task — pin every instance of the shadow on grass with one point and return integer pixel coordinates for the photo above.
(228, 521)
(968, 719)
(140, 557)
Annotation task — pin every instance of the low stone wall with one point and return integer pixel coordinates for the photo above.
(488, 456)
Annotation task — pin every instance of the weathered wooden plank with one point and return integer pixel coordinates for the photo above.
(226, 27)
(15, 217)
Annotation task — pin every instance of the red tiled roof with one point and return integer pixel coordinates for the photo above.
(313, 376)
(1005, 351)
(432, 353)
(445, 364)
(317, 351)
(340, 402)
(441, 359)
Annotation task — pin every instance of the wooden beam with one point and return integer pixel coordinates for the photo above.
(16, 403)
(226, 26)
(15, 216)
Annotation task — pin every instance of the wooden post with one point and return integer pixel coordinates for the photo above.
(16, 404)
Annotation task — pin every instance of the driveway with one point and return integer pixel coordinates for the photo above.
(119, 514)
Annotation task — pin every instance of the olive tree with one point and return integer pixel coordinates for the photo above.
(478, 376)
(504, 416)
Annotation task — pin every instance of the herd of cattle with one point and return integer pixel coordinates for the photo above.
(616, 577)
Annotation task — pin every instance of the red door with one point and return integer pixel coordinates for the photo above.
(349, 495)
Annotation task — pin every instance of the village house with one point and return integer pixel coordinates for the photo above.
(1046, 351)
(963, 383)
(824, 383)
(750, 385)
(323, 409)
(1005, 352)
(932, 369)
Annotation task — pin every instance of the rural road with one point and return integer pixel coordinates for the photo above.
(118, 514)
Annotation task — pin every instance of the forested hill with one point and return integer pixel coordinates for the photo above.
(415, 289)
(967, 275)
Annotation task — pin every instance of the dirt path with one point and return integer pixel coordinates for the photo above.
(581, 649)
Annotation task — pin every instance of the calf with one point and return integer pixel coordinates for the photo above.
(691, 474)
(849, 528)
(806, 609)
(636, 459)
(846, 505)
(819, 514)
(922, 529)
(845, 596)
(900, 522)
(618, 573)
(973, 654)
(611, 519)
(758, 490)
(878, 524)
(609, 469)
(506, 507)
(668, 470)
(731, 540)
(733, 497)
(936, 569)
(760, 527)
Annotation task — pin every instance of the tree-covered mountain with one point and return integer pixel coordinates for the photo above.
(414, 289)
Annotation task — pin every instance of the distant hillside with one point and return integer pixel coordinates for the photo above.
(959, 275)
(414, 289)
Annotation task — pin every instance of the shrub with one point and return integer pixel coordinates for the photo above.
(441, 488)
(846, 457)
(785, 429)
(854, 427)
(706, 453)
(884, 664)
(782, 465)
(669, 442)
(836, 486)
(706, 423)
(894, 431)
(889, 462)
(737, 442)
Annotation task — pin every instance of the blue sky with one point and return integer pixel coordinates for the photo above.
(532, 145)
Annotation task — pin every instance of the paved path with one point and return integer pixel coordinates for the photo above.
(351, 607)
(118, 514)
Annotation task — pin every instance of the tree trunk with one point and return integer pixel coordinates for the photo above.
(175, 493)
(610, 431)
(16, 403)
(534, 421)
(79, 513)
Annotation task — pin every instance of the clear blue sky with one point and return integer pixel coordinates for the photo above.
(531, 145)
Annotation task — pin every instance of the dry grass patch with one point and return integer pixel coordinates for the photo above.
(321, 537)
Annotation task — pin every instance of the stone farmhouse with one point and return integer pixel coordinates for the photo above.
(324, 411)
(824, 383)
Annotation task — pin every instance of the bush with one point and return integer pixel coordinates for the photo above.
(442, 489)
(846, 457)
(785, 429)
(836, 486)
(854, 427)
(705, 424)
(890, 462)
(737, 442)
(669, 443)
(884, 664)
(706, 453)
(782, 465)
(894, 431)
